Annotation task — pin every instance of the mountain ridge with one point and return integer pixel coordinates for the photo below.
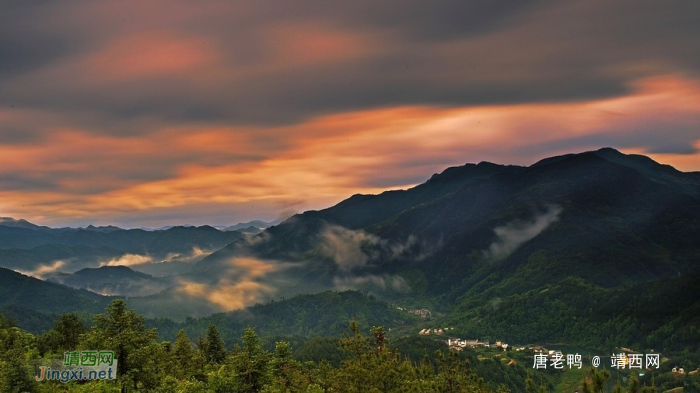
(474, 237)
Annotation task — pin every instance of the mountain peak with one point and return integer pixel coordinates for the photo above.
(21, 223)
(610, 150)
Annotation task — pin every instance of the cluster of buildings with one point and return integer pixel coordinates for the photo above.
(421, 312)
(427, 332)
(538, 349)
(681, 370)
(458, 344)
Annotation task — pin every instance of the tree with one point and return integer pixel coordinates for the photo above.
(455, 375)
(249, 363)
(354, 374)
(214, 349)
(285, 371)
(64, 336)
(14, 372)
(122, 331)
(379, 338)
(183, 355)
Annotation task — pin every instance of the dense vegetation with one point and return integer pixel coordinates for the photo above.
(369, 363)
(664, 315)
(319, 315)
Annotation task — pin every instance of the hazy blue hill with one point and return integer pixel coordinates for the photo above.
(21, 223)
(107, 228)
(28, 249)
(112, 280)
(250, 225)
(45, 297)
(29, 259)
(175, 239)
(110, 273)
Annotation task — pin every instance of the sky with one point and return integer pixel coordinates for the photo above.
(151, 113)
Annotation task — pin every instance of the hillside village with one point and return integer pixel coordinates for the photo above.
(458, 344)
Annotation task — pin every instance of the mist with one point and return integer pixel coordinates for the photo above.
(512, 235)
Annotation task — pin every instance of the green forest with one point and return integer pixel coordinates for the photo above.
(361, 358)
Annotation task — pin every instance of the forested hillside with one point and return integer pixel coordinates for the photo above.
(370, 363)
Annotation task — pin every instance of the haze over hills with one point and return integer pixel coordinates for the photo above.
(494, 247)
(41, 250)
(254, 226)
(112, 280)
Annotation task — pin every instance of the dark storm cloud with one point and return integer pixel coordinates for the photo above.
(425, 53)
(31, 39)
(414, 19)
(173, 110)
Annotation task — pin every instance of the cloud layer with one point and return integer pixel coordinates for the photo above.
(174, 112)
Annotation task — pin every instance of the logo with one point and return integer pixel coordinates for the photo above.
(80, 366)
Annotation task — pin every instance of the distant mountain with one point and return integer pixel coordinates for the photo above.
(112, 280)
(108, 228)
(175, 239)
(27, 247)
(254, 226)
(21, 223)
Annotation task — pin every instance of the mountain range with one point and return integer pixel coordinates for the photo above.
(550, 251)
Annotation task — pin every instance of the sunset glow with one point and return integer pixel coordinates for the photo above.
(227, 112)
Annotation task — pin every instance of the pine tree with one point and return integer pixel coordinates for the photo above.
(250, 362)
(284, 369)
(124, 332)
(214, 346)
(64, 335)
(183, 354)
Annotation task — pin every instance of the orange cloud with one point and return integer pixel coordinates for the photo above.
(235, 296)
(43, 270)
(152, 55)
(196, 171)
(296, 45)
(128, 260)
(235, 289)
